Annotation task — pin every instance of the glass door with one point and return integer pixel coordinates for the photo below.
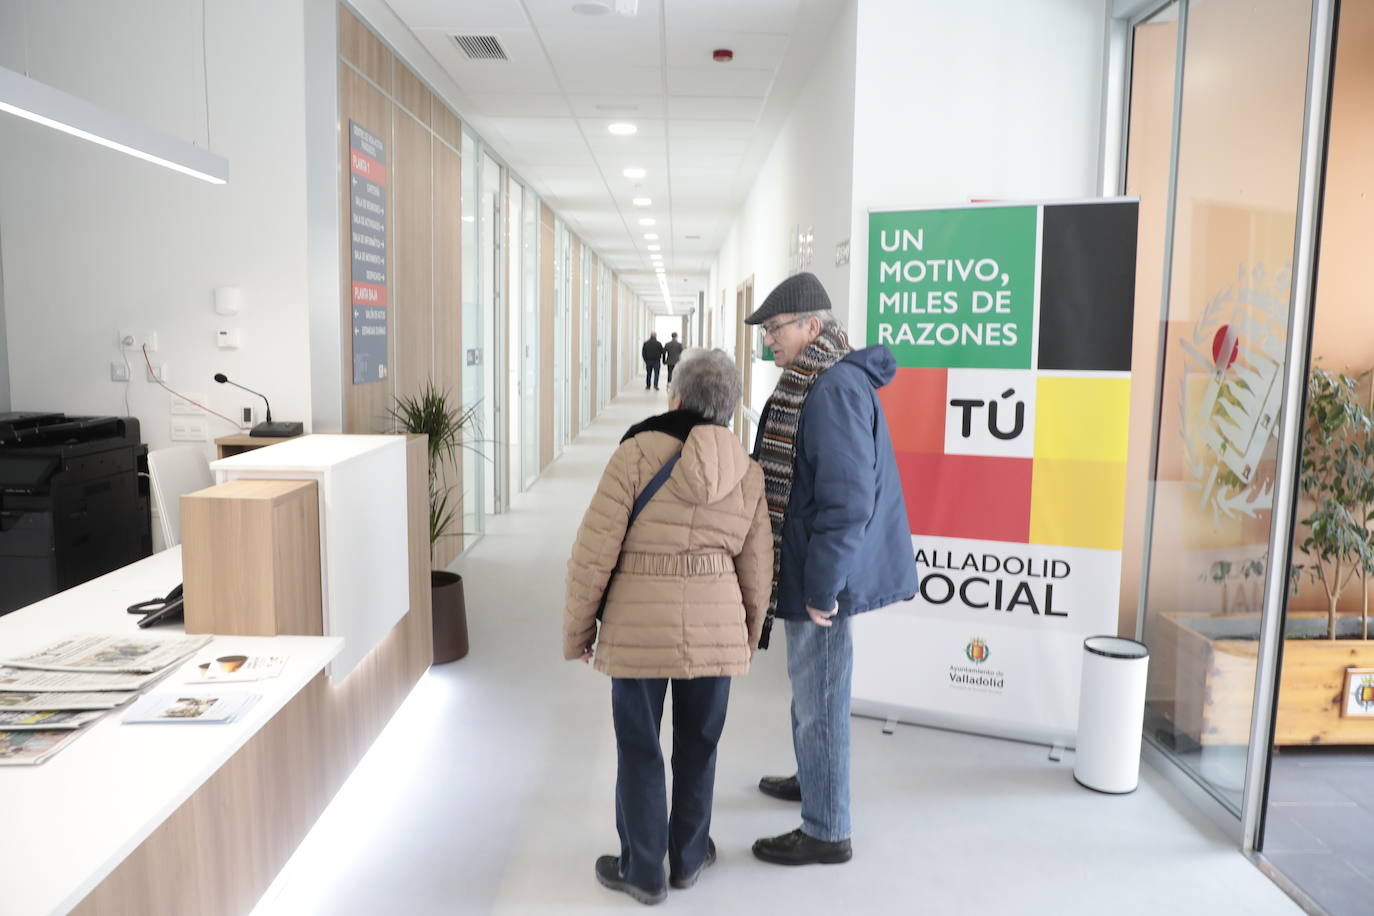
(474, 440)
(530, 356)
(562, 335)
(585, 339)
(1227, 287)
(513, 327)
(491, 277)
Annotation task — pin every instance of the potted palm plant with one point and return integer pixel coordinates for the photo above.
(432, 413)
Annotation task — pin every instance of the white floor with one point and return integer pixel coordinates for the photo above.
(491, 791)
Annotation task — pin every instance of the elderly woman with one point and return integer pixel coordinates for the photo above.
(688, 588)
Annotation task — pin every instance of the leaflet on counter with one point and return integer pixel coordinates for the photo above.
(46, 720)
(231, 668)
(19, 748)
(190, 706)
(110, 653)
(43, 702)
(29, 679)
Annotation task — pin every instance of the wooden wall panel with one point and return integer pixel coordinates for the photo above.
(547, 357)
(364, 50)
(575, 249)
(364, 405)
(218, 852)
(448, 305)
(412, 220)
(412, 95)
(447, 126)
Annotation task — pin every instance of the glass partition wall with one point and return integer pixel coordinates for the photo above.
(1225, 127)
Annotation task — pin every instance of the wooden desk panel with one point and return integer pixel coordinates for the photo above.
(217, 854)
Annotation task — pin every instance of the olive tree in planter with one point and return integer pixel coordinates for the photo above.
(1337, 477)
(1210, 659)
(431, 413)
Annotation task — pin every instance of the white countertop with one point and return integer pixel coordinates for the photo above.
(67, 823)
(316, 452)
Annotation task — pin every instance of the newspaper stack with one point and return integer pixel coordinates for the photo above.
(48, 697)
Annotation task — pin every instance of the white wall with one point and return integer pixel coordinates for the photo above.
(805, 182)
(93, 241)
(978, 99)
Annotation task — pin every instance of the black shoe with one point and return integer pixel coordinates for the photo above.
(608, 873)
(683, 883)
(785, 787)
(796, 848)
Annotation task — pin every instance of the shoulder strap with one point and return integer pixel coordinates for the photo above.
(657, 482)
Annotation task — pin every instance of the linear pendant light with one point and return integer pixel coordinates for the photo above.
(42, 104)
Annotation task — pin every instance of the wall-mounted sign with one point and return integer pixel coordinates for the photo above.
(842, 253)
(1009, 414)
(367, 219)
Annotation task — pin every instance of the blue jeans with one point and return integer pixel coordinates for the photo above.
(647, 832)
(820, 664)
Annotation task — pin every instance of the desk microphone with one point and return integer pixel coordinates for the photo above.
(268, 428)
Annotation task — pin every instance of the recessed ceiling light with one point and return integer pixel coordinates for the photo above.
(643, 201)
(623, 129)
(592, 7)
(654, 247)
(633, 172)
(647, 221)
(651, 236)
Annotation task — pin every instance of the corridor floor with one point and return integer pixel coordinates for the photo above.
(491, 791)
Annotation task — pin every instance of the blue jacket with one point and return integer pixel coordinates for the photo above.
(846, 535)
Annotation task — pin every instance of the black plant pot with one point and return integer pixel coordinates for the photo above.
(450, 617)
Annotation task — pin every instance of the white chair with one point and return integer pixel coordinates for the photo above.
(173, 472)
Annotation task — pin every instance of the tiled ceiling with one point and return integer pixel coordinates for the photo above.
(704, 128)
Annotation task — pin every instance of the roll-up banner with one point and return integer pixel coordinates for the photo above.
(1011, 326)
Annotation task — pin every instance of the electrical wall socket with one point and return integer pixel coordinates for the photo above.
(246, 419)
(157, 372)
(184, 405)
(119, 372)
(188, 430)
(137, 338)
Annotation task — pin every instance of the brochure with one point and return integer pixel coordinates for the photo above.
(110, 653)
(24, 747)
(48, 720)
(34, 701)
(229, 668)
(68, 681)
(213, 708)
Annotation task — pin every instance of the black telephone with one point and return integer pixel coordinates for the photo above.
(160, 610)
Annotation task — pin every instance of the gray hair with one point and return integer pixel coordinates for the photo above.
(707, 382)
(826, 317)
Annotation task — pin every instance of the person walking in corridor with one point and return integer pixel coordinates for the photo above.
(842, 545)
(652, 351)
(677, 549)
(672, 352)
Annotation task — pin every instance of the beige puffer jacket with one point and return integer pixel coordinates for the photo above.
(689, 597)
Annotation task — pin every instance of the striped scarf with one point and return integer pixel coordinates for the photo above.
(777, 448)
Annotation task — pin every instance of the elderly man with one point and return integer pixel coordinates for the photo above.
(842, 545)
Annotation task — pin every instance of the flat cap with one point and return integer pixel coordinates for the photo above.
(798, 293)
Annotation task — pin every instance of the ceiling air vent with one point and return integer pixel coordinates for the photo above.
(480, 47)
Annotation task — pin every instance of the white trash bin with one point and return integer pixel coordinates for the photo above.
(1111, 714)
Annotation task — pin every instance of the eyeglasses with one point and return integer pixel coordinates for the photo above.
(771, 330)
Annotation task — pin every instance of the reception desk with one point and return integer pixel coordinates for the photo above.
(173, 820)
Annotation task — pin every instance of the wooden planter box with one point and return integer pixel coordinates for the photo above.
(1205, 686)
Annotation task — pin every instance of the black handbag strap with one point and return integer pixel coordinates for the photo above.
(641, 501)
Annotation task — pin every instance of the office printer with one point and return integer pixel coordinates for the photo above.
(73, 502)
